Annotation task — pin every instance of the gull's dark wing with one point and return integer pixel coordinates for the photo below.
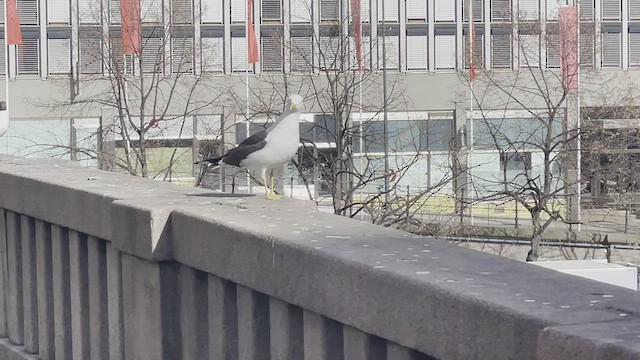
(251, 144)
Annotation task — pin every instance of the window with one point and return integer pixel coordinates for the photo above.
(417, 49)
(365, 10)
(500, 10)
(390, 10)
(2, 5)
(393, 51)
(212, 54)
(445, 10)
(301, 58)
(211, 11)
(238, 11)
(445, 51)
(119, 64)
(151, 10)
(329, 10)
(90, 55)
(528, 10)
(477, 10)
(587, 44)
(114, 12)
(271, 10)
(152, 55)
(478, 50)
(59, 56)
(365, 54)
(272, 52)
(329, 52)
(587, 9)
(301, 11)
(181, 11)
(28, 11)
(182, 55)
(88, 12)
(29, 57)
(238, 52)
(416, 10)
(2, 58)
(515, 162)
(634, 49)
(552, 8)
(529, 51)
(58, 11)
(611, 49)
(634, 10)
(611, 9)
(500, 50)
(553, 49)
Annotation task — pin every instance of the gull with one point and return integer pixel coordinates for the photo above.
(269, 148)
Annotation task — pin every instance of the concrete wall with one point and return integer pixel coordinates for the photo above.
(97, 265)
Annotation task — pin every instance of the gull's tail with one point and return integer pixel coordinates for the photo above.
(211, 161)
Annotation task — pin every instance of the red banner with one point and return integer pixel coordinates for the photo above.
(131, 34)
(568, 23)
(14, 34)
(357, 31)
(252, 43)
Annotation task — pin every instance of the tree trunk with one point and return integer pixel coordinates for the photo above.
(534, 253)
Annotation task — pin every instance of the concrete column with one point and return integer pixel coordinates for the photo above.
(61, 300)
(253, 324)
(98, 299)
(223, 324)
(3, 274)
(29, 284)
(285, 330)
(44, 271)
(355, 344)
(15, 311)
(79, 290)
(114, 303)
(397, 352)
(322, 337)
(193, 313)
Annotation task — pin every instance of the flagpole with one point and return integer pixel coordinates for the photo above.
(470, 191)
(579, 120)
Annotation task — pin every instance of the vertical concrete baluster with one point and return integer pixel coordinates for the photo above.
(397, 352)
(3, 274)
(356, 346)
(29, 283)
(223, 323)
(15, 310)
(253, 324)
(44, 269)
(98, 299)
(61, 292)
(193, 313)
(79, 295)
(286, 330)
(115, 310)
(322, 338)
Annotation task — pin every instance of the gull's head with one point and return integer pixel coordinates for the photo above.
(295, 102)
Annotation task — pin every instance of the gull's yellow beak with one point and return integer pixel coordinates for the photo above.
(294, 107)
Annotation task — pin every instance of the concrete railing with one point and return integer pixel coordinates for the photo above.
(97, 265)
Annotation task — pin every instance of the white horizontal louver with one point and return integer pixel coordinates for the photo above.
(28, 11)
(152, 55)
(89, 11)
(90, 59)
(2, 15)
(390, 10)
(634, 10)
(301, 54)
(114, 12)
(365, 10)
(417, 10)
(445, 10)
(28, 57)
(611, 49)
(553, 51)
(238, 10)
(181, 11)
(477, 51)
(445, 51)
(59, 56)
(211, 11)
(272, 10)
(528, 9)
(393, 52)
(329, 10)
(272, 53)
(58, 11)
(150, 11)
(329, 56)
(119, 64)
(552, 8)
(477, 10)
(300, 11)
(238, 54)
(611, 9)
(634, 49)
(417, 52)
(501, 51)
(2, 58)
(500, 10)
(212, 54)
(586, 9)
(365, 53)
(587, 44)
(529, 51)
(182, 55)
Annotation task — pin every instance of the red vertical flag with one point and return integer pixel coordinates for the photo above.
(472, 40)
(568, 24)
(252, 42)
(357, 31)
(131, 34)
(14, 34)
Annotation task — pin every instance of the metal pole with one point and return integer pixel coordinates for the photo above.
(470, 191)
(384, 111)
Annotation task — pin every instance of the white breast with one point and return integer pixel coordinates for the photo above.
(282, 145)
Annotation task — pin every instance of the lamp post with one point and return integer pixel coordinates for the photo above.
(385, 121)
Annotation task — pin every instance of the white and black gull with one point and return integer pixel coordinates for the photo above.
(269, 148)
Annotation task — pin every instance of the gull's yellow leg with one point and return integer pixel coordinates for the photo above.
(266, 189)
(272, 195)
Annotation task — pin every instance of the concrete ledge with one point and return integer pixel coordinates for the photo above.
(419, 292)
(8, 351)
